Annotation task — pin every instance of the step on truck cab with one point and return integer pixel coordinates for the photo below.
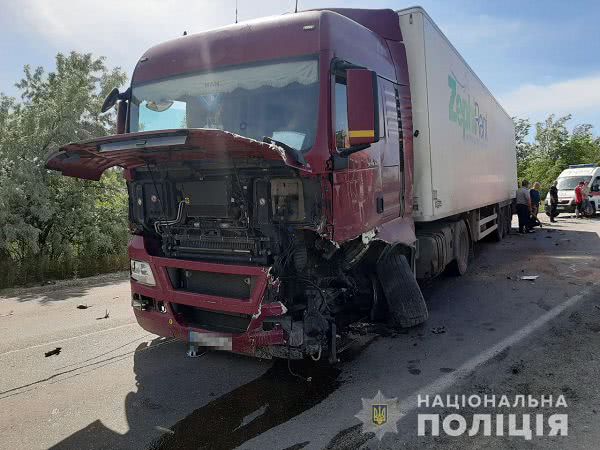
(291, 175)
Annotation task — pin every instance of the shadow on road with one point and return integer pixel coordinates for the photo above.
(62, 290)
(163, 375)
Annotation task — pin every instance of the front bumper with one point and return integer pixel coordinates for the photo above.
(174, 312)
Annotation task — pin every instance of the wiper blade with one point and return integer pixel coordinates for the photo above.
(296, 154)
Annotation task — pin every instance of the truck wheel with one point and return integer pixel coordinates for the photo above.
(462, 248)
(500, 230)
(379, 310)
(508, 220)
(406, 305)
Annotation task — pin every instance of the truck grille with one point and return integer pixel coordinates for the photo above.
(234, 245)
(238, 287)
(211, 320)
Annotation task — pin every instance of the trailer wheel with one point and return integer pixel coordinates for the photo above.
(500, 230)
(462, 248)
(406, 305)
(508, 220)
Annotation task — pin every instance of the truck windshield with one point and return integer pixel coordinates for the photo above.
(570, 183)
(277, 100)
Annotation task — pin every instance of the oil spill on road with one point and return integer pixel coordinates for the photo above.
(270, 400)
(253, 408)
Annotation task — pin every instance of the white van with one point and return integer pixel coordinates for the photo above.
(568, 181)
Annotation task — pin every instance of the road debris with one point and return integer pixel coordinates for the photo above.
(529, 277)
(164, 430)
(438, 330)
(56, 351)
(10, 313)
(106, 316)
(81, 306)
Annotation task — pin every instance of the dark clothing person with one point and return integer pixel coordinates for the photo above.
(535, 197)
(523, 214)
(523, 209)
(553, 195)
(553, 203)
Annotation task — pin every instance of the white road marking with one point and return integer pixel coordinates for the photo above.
(440, 385)
(67, 339)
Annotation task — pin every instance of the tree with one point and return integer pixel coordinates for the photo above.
(553, 149)
(42, 212)
(523, 147)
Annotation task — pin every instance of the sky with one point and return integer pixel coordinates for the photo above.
(536, 56)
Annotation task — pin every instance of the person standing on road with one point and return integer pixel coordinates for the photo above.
(585, 193)
(534, 195)
(553, 201)
(579, 200)
(524, 207)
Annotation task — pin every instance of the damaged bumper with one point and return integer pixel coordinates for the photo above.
(207, 303)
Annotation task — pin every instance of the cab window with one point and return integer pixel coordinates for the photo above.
(341, 114)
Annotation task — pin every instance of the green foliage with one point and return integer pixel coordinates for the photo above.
(554, 149)
(43, 215)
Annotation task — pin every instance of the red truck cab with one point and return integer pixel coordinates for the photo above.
(269, 167)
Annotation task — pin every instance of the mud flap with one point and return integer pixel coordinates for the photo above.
(404, 298)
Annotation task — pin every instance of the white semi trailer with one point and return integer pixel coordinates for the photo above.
(464, 150)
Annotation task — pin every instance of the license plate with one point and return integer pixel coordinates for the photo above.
(213, 340)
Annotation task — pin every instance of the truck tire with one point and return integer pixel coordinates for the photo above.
(462, 248)
(508, 222)
(406, 305)
(500, 230)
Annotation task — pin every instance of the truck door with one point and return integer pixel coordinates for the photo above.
(392, 157)
(358, 197)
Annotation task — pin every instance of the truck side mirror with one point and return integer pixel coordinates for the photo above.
(110, 100)
(363, 107)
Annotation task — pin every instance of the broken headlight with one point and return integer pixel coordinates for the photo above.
(142, 272)
(287, 199)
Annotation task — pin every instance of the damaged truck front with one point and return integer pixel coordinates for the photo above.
(263, 184)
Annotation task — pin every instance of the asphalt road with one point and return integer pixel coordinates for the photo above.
(112, 385)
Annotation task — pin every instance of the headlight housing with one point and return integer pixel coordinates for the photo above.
(142, 272)
(287, 200)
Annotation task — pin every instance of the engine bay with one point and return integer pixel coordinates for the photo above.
(236, 215)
